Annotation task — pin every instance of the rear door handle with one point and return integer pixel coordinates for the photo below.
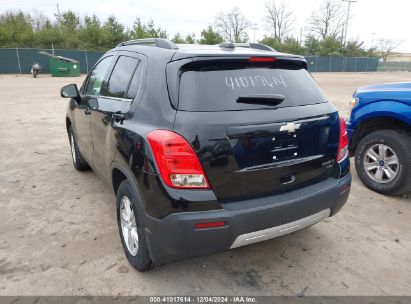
(87, 112)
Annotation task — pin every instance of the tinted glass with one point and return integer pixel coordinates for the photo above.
(135, 83)
(216, 89)
(120, 78)
(97, 76)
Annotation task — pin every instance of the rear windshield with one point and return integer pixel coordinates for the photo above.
(224, 87)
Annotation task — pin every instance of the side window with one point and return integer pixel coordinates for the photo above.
(96, 78)
(121, 77)
(135, 82)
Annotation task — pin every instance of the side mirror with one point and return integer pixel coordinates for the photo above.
(70, 91)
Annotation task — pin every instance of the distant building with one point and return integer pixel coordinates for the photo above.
(399, 57)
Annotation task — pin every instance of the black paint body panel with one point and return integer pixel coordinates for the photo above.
(240, 178)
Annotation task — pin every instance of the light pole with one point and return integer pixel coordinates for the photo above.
(348, 16)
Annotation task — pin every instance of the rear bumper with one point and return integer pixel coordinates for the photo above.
(246, 222)
(277, 231)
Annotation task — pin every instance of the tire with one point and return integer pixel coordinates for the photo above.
(392, 172)
(130, 225)
(78, 162)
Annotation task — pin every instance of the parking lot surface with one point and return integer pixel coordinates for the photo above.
(58, 231)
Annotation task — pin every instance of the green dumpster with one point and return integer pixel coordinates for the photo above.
(62, 66)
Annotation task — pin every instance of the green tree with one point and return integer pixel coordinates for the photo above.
(38, 20)
(190, 39)
(156, 32)
(68, 24)
(49, 35)
(112, 33)
(312, 45)
(141, 30)
(355, 48)
(178, 39)
(16, 30)
(288, 45)
(271, 41)
(91, 33)
(292, 46)
(209, 36)
(330, 47)
(5, 36)
(372, 52)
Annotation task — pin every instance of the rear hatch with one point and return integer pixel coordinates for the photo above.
(258, 126)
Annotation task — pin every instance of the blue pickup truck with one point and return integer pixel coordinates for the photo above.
(379, 130)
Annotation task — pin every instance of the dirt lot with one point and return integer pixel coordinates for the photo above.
(59, 234)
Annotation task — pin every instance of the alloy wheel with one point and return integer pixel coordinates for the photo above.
(381, 163)
(73, 147)
(128, 226)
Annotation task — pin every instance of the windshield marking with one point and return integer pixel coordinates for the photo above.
(238, 82)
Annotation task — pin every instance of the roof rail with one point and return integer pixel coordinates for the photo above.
(158, 42)
(258, 46)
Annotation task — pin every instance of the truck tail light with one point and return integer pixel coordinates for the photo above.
(343, 142)
(176, 160)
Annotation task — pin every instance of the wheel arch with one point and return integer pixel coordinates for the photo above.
(68, 123)
(375, 123)
(119, 173)
(117, 177)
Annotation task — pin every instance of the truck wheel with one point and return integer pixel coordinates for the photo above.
(78, 162)
(131, 229)
(383, 162)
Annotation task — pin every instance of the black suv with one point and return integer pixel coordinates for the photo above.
(207, 147)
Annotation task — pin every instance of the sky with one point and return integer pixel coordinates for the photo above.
(371, 19)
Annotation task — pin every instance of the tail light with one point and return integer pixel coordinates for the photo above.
(176, 160)
(209, 225)
(262, 59)
(343, 142)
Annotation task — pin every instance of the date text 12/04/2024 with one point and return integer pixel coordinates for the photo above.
(203, 299)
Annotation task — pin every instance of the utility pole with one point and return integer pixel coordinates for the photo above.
(348, 17)
(372, 40)
(301, 36)
(254, 28)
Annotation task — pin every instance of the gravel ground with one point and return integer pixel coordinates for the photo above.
(59, 232)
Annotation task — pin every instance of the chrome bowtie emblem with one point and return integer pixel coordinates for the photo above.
(290, 127)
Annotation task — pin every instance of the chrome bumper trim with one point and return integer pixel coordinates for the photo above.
(274, 232)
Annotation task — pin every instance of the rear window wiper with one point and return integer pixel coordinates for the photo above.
(263, 99)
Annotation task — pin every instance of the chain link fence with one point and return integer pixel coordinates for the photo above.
(342, 64)
(19, 61)
(394, 66)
